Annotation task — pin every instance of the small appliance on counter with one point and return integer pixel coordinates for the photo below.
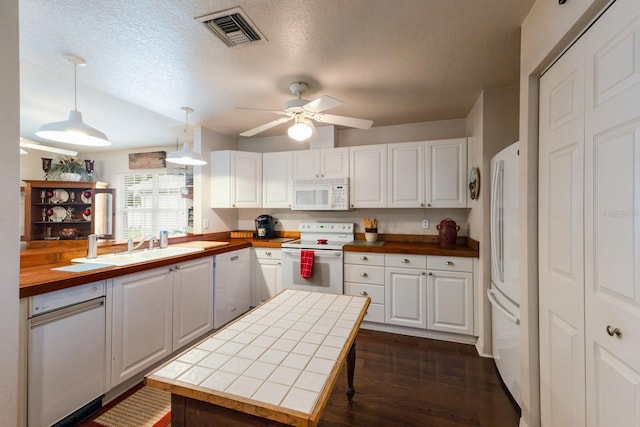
(265, 227)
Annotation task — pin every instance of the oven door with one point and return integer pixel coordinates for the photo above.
(327, 271)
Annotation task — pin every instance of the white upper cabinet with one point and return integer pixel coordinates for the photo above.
(446, 178)
(236, 179)
(368, 176)
(406, 175)
(277, 175)
(325, 163)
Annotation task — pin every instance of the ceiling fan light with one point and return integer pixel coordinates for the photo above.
(73, 131)
(300, 130)
(186, 156)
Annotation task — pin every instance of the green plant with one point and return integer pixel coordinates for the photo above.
(69, 165)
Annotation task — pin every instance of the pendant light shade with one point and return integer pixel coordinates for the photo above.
(186, 156)
(74, 130)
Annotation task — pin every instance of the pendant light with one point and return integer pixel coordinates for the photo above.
(74, 130)
(186, 156)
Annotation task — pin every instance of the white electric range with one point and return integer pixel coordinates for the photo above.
(326, 240)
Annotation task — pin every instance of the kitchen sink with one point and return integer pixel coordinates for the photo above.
(126, 258)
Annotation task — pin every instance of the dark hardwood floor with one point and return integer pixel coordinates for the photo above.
(406, 381)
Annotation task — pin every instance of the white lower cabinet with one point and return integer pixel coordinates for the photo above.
(157, 311)
(406, 297)
(192, 300)
(364, 275)
(267, 274)
(418, 291)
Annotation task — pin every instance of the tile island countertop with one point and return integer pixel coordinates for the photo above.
(278, 362)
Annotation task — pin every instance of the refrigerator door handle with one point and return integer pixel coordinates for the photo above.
(497, 255)
(494, 303)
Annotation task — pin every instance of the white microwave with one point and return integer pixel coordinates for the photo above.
(321, 195)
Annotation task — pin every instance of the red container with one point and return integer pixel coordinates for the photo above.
(447, 233)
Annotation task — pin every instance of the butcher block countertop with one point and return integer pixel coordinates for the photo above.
(37, 276)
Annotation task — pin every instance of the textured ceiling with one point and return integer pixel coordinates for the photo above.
(391, 61)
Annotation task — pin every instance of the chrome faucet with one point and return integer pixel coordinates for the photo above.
(150, 238)
(92, 245)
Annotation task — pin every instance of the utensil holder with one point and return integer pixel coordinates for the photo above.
(371, 234)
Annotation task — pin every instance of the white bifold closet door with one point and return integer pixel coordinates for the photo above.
(589, 207)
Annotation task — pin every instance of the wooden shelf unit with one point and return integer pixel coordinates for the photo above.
(39, 199)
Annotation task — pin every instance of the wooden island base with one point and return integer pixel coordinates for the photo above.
(186, 411)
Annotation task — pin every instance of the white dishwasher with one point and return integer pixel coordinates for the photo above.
(67, 353)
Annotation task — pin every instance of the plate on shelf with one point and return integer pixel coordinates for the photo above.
(59, 214)
(59, 196)
(86, 196)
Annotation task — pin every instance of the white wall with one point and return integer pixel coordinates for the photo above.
(492, 125)
(547, 31)
(9, 220)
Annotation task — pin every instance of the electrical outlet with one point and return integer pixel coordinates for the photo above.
(425, 223)
(205, 223)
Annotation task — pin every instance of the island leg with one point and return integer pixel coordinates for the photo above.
(351, 366)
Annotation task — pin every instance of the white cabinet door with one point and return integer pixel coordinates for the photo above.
(141, 322)
(267, 278)
(612, 217)
(232, 286)
(325, 163)
(334, 163)
(236, 179)
(368, 176)
(450, 297)
(406, 297)
(192, 300)
(406, 175)
(246, 170)
(277, 178)
(561, 248)
(446, 177)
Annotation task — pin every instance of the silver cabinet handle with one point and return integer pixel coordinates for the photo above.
(428, 204)
(448, 263)
(364, 258)
(170, 268)
(405, 260)
(364, 293)
(613, 331)
(177, 267)
(422, 204)
(430, 274)
(364, 274)
(267, 253)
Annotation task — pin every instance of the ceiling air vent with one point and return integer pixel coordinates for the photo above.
(232, 26)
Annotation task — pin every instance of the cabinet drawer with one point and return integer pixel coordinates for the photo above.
(267, 253)
(375, 292)
(450, 263)
(375, 313)
(365, 258)
(364, 274)
(406, 261)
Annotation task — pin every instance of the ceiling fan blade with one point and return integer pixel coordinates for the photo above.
(343, 121)
(266, 126)
(280, 112)
(27, 143)
(324, 103)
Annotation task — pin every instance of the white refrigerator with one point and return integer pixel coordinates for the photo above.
(504, 294)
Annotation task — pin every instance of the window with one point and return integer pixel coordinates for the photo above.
(151, 201)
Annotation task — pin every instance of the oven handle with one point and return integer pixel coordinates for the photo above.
(316, 253)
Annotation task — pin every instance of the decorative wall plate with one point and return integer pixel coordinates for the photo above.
(474, 183)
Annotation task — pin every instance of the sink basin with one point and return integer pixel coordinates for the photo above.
(126, 258)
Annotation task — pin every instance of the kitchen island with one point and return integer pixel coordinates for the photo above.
(276, 365)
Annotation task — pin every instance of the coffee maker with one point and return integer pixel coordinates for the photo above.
(265, 227)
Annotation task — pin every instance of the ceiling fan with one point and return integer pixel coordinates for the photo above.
(303, 112)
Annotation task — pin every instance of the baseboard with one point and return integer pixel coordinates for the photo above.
(420, 333)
